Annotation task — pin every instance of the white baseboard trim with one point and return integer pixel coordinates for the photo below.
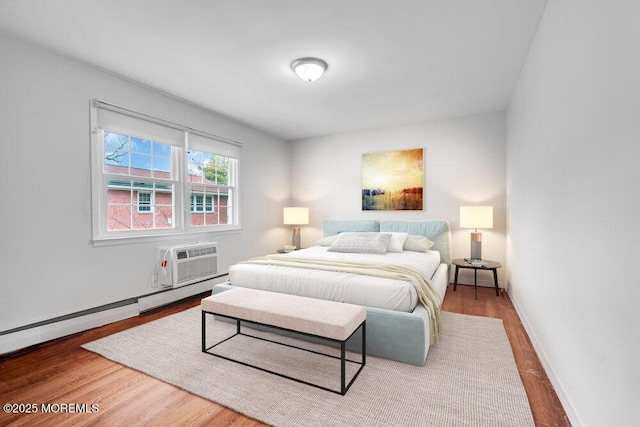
(152, 301)
(573, 415)
(39, 334)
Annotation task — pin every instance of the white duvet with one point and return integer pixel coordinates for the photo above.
(343, 287)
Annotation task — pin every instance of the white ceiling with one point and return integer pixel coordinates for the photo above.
(390, 62)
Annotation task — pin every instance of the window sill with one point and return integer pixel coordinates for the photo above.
(130, 240)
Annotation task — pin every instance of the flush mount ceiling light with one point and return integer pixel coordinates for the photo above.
(309, 69)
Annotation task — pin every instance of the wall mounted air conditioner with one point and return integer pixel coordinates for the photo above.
(186, 264)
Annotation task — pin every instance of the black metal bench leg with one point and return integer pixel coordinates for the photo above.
(364, 343)
(342, 368)
(204, 334)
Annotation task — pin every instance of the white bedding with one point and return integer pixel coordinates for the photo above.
(344, 287)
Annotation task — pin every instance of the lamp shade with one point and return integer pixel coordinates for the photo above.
(296, 216)
(476, 216)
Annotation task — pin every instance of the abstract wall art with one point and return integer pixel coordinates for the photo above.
(393, 180)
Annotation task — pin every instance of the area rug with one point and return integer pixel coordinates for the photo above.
(470, 378)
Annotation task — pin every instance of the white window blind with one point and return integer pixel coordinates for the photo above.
(200, 142)
(127, 122)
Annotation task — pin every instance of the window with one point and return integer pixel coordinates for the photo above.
(211, 178)
(201, 203)
(198, 203)
(153, 177)
(144, 202)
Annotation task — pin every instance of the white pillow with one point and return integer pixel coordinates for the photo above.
(397, 241)
(417, 243)
(327, 241)
(363, 243)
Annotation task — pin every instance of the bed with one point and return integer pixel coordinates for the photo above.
(400, 326)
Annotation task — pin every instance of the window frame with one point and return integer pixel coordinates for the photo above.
(180, 220)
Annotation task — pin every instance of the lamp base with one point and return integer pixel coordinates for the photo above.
(295, 237)
(476, 246)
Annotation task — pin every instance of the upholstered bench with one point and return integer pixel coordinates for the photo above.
(328, 320)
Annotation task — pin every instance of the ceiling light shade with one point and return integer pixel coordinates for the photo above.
(309, 69)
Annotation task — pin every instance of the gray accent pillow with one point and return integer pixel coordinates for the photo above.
(363, 243)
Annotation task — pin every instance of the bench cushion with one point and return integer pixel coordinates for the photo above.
(328, 319)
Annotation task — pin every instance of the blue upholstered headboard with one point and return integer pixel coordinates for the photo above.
(331, 227)
(438, 230)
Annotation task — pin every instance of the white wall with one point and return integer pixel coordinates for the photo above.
(572, 143)
(464, 164)
(48, 266)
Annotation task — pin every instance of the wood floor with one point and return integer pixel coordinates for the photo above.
(61, 373)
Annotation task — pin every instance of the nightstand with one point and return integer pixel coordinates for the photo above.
(490, 265)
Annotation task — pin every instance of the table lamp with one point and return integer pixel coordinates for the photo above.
(296, 217)
(476, 217)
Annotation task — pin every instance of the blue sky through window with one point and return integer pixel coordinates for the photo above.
(138, 153)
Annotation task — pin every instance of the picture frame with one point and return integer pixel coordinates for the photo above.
(393, 180)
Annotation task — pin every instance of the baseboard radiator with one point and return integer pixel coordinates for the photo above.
(36, 333)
